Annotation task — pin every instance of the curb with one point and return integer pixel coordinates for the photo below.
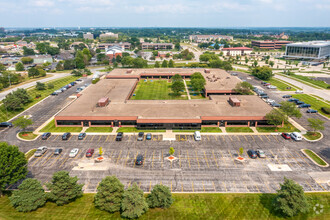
(28, 152)
(302, 150)
(314, 140)
(19, 138)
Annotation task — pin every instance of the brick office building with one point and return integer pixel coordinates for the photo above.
(119, 85)
(271, 45)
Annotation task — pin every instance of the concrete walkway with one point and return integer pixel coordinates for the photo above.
(187, 90)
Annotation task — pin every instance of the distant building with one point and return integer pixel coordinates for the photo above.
(233, 51)
(89, 36)
(308, 50)
(41, 59)
(157, 46)
(271, 45)
(208, 38)
(108, 35)
(2, 30)
(114, 52)
(123, 45)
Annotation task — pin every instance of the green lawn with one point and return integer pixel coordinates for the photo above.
(30, 153)
(288, 127)
(134, 129)
(27, 135)
(204, 129)
(239, 129)
(99, 129)
(4, 116)
(309, 81)
(316, 158)
(186, 206)
(155, 90)
(50, 127)
(312, 135)
(282, 86)
(315, 103)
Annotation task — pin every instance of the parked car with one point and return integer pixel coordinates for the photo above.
(264, 97)
(267, 84)
(263, 83)
(58, 151)
(45, 136)
(40, 151)
(261, 154)
(304, 106)
(197, 136)
(286, 96)
(139, 159)
(311, 111)
(54, 93)
(6, 124)
(300, 102)
(270, 101)
(274, 104)
(148, 137)
(252, 154)
(66, 136)
(74, 152)
(78, 80)
(81, 136)
(58, 91)
(140, 136)
(286, 135)
(296, 136)
(293, 100)
(299, 91)
(119, 136)
(90, 152)
(63, 89)
(271, 87)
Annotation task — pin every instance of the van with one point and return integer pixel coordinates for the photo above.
(296, 136)
(197, 136)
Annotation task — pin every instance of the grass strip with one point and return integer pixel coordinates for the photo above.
(50, 127)
(239, 130)
(99, 129)
(314, 157)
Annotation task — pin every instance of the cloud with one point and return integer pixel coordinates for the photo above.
(42, 3)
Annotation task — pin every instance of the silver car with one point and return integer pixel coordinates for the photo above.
(261, 153)
(74, 152)
(40, 151)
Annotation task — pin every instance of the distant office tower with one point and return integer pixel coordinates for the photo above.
(88, 36)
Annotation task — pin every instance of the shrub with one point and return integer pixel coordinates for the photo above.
(95, 80)
(326, 110)
(160, 197)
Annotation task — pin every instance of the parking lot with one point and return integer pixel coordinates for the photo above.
(205, 166)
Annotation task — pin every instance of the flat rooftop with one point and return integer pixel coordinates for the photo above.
(217, 79)
(311, 44)
(119, 89)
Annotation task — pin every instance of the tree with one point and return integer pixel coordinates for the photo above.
(157, 65)
(40, 86)
(177, 46)
(171, 63)
(22, 122)
(241, 150)
(176, 77)
(63, 188)
(276, 117)
(19, 66)
(50, 86)
(164, 64)
(243, 88)
(133, 204)
(16, 99)
(316, 124)
(197, 81)
(81, 59)
(2, 68)
(33, 72)
(69, 64)
(271, 63)
(176, 87)
(160, 197)
(26, 60)
(171, 151)
(263, 73)
(109, 194)
(255, 63)
(290, 199)
(13, 165)
(290, 109)
(227, 66)
(100, 151)
(246, 60)
(28, 51)
(29, 196)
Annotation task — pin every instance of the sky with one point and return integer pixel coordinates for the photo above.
(165, 13)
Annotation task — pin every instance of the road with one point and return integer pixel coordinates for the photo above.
(28, 85)
(325, 94)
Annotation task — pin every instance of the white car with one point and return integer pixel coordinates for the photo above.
(270, 101)
(261, 153)
(74, 152)
(296, 136)
(40, 151)
(299, 91)
(271, 87)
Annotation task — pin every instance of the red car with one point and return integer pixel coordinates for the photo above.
(90, 152)
(286, 135)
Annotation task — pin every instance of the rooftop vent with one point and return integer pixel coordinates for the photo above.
(103, 102)
(207, 71)
(129, 71)
(234, 102)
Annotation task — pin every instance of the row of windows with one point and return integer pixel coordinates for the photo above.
(303, 51)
